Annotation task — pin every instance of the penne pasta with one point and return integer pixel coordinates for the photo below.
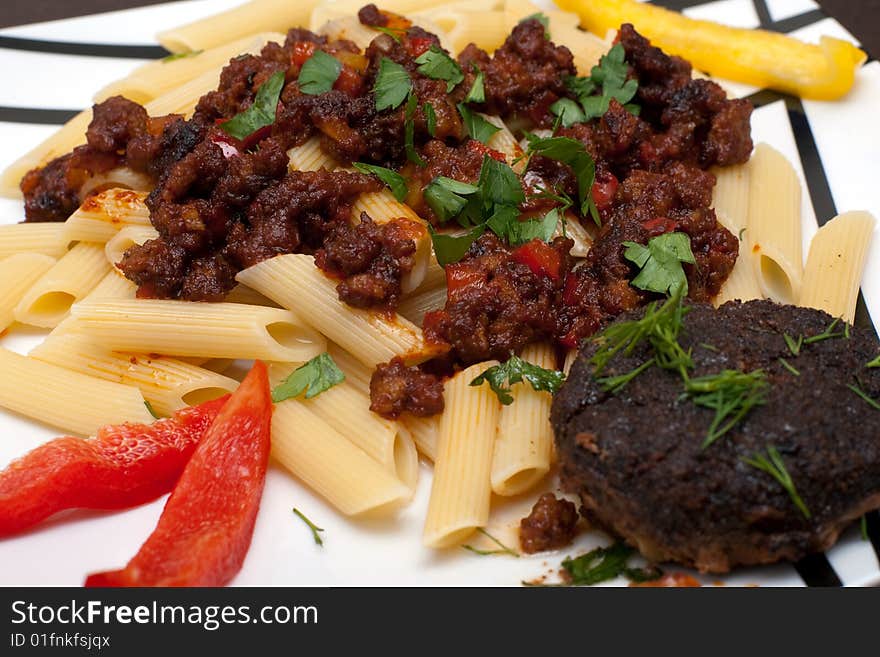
(356, 373)
(570, 356)
(415, 306)
(504, 142)
(461, 490)
(524, 446)
(486, 28)
(331, 465)
(244, 294)
(102, 215)
(348, 28)
(774, 226)
(296, 283)
(17, 274)
(730, 198)
(168, 384)
(576, 232)
(186, 328)
(67, 400)
(424, 432)
(113, 286)
(45, 238)
(250, 18)
(835, 264)
(126, 238)
(586, 48)
(310, 157)
(48, 301)
(435, 275)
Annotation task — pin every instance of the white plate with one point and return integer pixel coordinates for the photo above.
(63, 551)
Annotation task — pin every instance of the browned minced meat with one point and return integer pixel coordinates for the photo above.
(396, 388)
(525, 75)
(551, 524)
(503, 305)
(371, 16)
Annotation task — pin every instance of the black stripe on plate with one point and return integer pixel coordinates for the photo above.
(796, 22)
(678, 5)
(816, 570)
(86, 49)
(763, 13)
(35, 115)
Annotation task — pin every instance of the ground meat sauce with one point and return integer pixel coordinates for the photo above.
(551, 525)
(221, 204)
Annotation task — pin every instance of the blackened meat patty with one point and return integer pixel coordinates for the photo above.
(635, 458)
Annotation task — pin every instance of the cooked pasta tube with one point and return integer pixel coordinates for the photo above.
(347, 409)
(383, 208)
(524, 446)
(126, 238)
(774, 226)
(424, 432)
(326, 11)
(250, 18)
(356, 373)
(373, 337)
(68, 136)
(45, 238)
(168, 384)
(730, 198)
(335, 468)
(17, 274)
(158, 77)
(113, 286)
(48, 300)
(486, 28)
(574, 230)
(516, 10)
(310, 157)
(461, 491)
(570, 356)
(244, 294)
(187, 328)
(102, 215)
(68, 400)
(504, 142)
(349, 28)
(835, 264)
(435, 275)
(420, 302)
(586, 48)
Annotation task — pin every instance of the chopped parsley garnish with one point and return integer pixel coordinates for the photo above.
(393, 85)
(315, 529)
(430, 118)
(477, 94)
(181, 55)
(394, 32)
(476, 126)
(661, 262)
(451, 248)
(568, 111)
(873, 363)
(506, 224)
(409, 130)
(437, 65)
(609, 77)
(151, 410)
(731, 394)
(794, 346)
(316, 376)
(515, 370)
(857, 388)
(606, 563)
(614, 384)
(261, 113)
(542, 19)
(773, 465)
(502, 548)
(791, 368)
(319, 73)
(393, 180)
(828, 334)
(572, 153)
(446, 197)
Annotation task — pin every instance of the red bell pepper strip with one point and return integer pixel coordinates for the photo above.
(123, 466)
(540, 257)
(206, 527)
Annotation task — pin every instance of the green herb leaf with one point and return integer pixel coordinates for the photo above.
(572, 153)
(151, 410)
(181, 55)
(856, 388)
(393, 180)
(315, 529)
(606, 563)
(506, 224)
(660, 262)
(791, 368)
(828, 334)
(731, 394)
(445, 197)
(430, 118)
(515, 370)
(261, 113)
(476, 126)
(394, 33)
(477, 94)
(319, 73)
(502, 548)
(316, 376)
(615, 384)
(773, 465)
(409, 128)
(437, 65)
(568, 111)
(393, 85)
(609, 77)
(873, 363)
(794, 346)
(449, 248)
(542, 19)
(499, 184)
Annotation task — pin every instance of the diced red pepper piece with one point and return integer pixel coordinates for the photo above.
(418, 46)
(658, 226)
(482, 149)
(570, 296)
(123, 466)
(205, 530)
(349, 82)
(461, 275)
(540, 257)
(302, 51)
(603, 190)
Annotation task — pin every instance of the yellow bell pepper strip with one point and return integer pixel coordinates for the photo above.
(757, 57)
